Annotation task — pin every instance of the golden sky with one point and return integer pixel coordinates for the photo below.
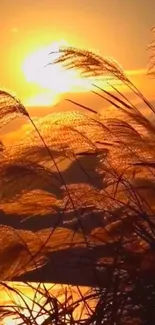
(119, 28)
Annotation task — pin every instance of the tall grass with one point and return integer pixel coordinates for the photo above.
(120, 244)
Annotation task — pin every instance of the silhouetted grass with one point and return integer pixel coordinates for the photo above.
(119, 248)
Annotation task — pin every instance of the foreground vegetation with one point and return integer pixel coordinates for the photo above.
(109, 216)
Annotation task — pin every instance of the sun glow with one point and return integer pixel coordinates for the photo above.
(51, 77)
(43, 99)
(27, 301)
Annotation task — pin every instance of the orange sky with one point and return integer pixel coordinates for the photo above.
(115, 27)
(119, 28)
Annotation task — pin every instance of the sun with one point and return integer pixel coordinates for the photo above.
(51, 78)
(37, 70)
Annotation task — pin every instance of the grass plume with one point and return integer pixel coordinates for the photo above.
(106, 220)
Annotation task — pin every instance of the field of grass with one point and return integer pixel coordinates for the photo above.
(77, 203)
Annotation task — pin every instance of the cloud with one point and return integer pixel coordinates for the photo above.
(138, 72)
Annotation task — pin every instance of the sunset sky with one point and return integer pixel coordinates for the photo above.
(119, 28)
(30, 29)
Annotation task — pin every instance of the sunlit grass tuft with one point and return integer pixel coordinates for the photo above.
(105, 217)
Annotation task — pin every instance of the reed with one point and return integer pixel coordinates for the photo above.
(121, 242)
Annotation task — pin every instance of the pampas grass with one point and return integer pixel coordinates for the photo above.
(119, 249)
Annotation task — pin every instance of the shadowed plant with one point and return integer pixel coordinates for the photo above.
(116, 253)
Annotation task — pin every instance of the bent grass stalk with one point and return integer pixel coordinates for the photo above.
(128, 296)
